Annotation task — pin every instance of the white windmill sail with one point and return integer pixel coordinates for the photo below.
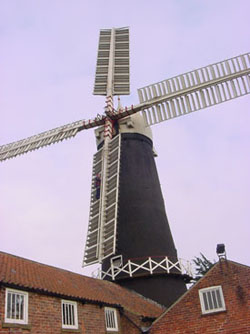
(112, 78)
(113, 55)
(108, 237)
(92, 243)
(101, 236)
(196, 90)
(46, 138)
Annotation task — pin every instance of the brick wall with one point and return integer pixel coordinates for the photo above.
(130, 323)
(45, 318)
(185, 316)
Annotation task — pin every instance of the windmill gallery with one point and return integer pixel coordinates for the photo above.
(128, 232)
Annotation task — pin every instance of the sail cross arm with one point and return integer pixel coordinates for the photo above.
(46, 138)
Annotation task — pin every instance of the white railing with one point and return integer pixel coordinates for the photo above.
(150, 265)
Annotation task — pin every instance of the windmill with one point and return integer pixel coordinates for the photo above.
(128, 231)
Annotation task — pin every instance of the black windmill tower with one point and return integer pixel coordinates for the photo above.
(128, 230)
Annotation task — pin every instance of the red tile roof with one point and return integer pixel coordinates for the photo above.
(185, 315)
(23, 273)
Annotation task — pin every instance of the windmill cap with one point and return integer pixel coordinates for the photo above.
(130, 124)
(135, 124)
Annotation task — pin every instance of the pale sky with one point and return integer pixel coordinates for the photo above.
(47, 67)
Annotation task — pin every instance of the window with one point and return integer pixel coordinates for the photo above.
(212, 299)
(16, 306)
(111, 319)
(116, 261)
(69, 314)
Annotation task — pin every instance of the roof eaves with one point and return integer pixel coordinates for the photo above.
(59, 295)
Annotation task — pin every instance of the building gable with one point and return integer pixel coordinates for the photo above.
(186, 315)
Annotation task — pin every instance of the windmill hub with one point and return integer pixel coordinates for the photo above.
(130, 124)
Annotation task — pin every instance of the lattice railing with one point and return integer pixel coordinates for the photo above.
(150, 265)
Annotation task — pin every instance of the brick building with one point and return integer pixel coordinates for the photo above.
(217, 303)
(40, 299)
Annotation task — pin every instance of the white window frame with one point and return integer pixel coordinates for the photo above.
(108, 311)
(212, 308)
(74, 305)
(25, 296)
(116, 261)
